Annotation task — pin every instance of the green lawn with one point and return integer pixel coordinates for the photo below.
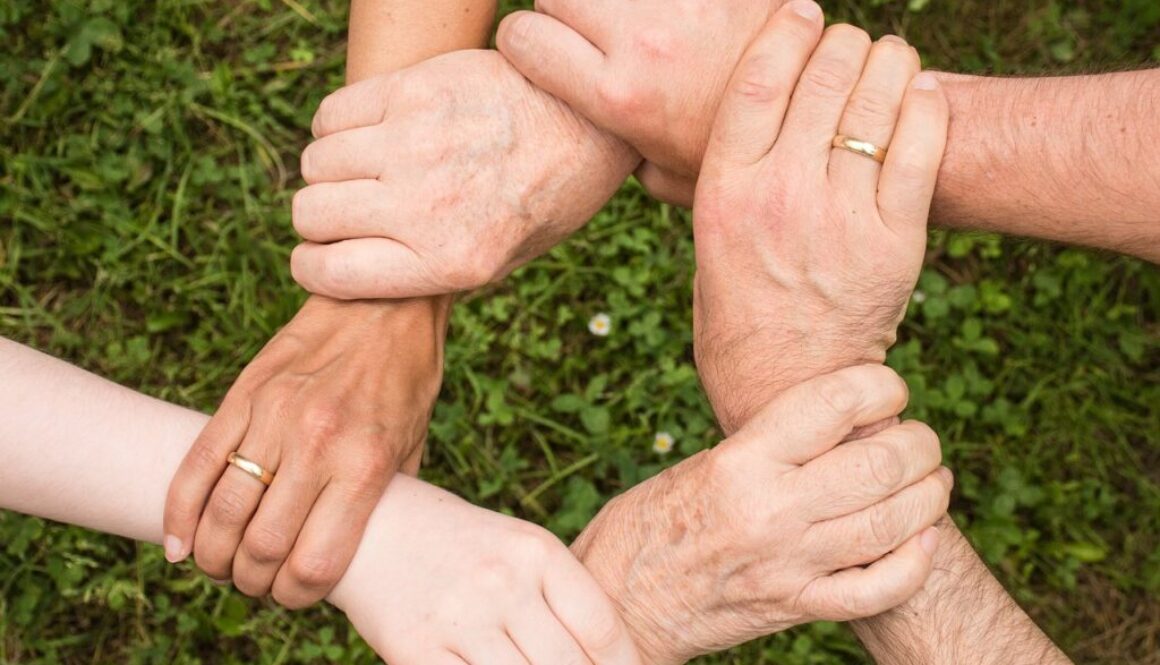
(148, 154)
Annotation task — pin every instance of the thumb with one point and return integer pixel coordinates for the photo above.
(555, 58)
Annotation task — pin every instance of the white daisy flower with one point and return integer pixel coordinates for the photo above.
(663, 443)
(600, 325)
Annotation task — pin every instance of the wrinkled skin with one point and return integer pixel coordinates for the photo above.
(444, 177)
(771, 528)
(651, 71)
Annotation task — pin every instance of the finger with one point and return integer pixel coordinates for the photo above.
(868, 535)
(271, 534)
(497, 649)
(821, 96)
(812, 417)
(859, 474)
(364, 268)
(541, 639)
(857, 593)
(360, 104)
(755, 102)
(199, 472)
(333, 211)
(872, 114)
(557, 59)
(345, 156)
(595, 19)
(231, 505)
(327, 543)
(666, 186)
(588, 615)
(912, 163)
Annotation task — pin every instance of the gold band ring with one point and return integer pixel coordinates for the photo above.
(859, 147)
(251, 467)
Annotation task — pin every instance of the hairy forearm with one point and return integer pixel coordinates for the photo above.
(1068, 159)
(962, 615)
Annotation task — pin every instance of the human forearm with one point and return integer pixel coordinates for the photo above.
(386, 35)
(72, 456)
(82, 450)
(962, 615)
(1069, 159)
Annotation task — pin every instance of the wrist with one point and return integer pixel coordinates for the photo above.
(773, 365)
(962, 614)
(604, 548)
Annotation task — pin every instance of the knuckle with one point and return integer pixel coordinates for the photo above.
(265, 545)
(926, 438)
(911, 166)
(853, 601)
(882, 465)
(722, 464)
(828, 77)
(300, 208)
(497, 575)
(307, 164)
(873, 106)
(324, 117)
(656, 44)
(203, 457)
(472, 268)
(882, 529)
(314, 571)
(620, 98)
(603, 632)
(320, 422)
(229, 506)
(757, 82)
(334, 272)
(373, 472)
(248, 587)
(536, 545)
(209, 564)
(839, 393)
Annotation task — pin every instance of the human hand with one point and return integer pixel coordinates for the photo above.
(444, 177)
(650, 71)
(777, 526)
(807, 254)
(334, 405)
(438, 581)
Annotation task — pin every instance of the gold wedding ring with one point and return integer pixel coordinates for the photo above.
(251, 467)
(859, 147)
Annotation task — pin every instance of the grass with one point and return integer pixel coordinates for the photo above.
(147, 159)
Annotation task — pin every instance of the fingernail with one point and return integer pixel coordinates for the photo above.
(807, 9)
(219, 582)
(925, 81)
(516, 30)
(893, 39)
(174, 549)
(929, 540)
